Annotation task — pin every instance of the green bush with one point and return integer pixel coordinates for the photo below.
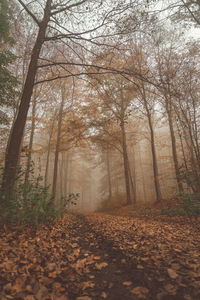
(31, 202)
(175, 211)
(190, 205)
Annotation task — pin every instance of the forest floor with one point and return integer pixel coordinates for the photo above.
(114, 256)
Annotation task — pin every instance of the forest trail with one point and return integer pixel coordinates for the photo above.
(102, 256)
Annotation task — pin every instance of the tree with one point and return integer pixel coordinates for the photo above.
(180, 10)
(186, 10)
(147, 100)
(186, 106)
(168, 65)
(113, 102)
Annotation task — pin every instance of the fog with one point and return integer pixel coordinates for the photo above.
(84, 171)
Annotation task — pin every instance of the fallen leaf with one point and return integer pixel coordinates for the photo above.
(127, 283)
(87, 284)
(171, 289)
(140, 267)
(42, 293)
(97, 257)
(101, 265)
(140, 291)
(172, 274)
(51, 267)
(52, 274)
(104, 295)
(74, 245)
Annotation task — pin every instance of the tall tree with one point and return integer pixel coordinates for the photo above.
(113, 102)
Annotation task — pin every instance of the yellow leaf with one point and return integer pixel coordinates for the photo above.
(104, 295)
(172, 274)
(127, 283)
(87, 284)
(97, 257)
(101, 265)
(140, 291)
(52, 274)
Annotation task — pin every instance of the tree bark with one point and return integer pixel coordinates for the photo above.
(30, 147)
(49, 150)
(132, 182)
(126, 166)
(13, 149)
(153, 148)
(154, 158)
(58, 143)
(174, 152)
(109, 174)
(66, 174)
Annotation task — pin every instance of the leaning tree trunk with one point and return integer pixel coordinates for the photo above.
(13, 148)
(133, 186)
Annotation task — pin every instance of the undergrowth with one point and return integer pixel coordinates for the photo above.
(31, 202)
(189, 205)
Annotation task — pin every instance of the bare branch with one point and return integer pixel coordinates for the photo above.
(68, 7)
(29, 12)
(72, 75)
(190, 11)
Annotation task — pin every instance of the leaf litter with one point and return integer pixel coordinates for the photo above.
(101, 256)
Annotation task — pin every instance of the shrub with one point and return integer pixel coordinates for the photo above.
(31, 202)
(190, 205)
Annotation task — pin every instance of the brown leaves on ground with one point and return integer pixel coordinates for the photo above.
(165, 249)
(140, 291)
(33, 263)
(101, 256)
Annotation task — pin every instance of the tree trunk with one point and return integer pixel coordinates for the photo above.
(30, 147)
(48, 151)
(154, 158)
(13, 149)
(109, 174)
(133, 187)
(153, 148)
(55, 172)
(142, 176)
(61, 174)
(174, 152)
(126, 166)
(66, 174)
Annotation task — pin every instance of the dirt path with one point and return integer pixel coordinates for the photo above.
(109, 272)
(101, 256)
(139, 258)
